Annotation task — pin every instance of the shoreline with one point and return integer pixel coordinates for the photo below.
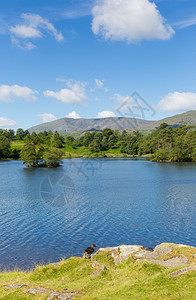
(122, 272)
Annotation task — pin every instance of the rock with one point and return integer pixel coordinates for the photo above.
(16, 286)
(52, 294)
(61, 296)
(125, 251)
(121, 253)
(98, 271)
(146, 254)
(163, 249)
(95, 264)
(183, 246)
(182, 271)
(37, 291)
(170, 263)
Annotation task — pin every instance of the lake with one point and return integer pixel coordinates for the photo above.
(49, 214)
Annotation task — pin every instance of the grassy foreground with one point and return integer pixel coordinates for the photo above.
(129, 280)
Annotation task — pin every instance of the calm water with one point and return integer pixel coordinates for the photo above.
(48, 214)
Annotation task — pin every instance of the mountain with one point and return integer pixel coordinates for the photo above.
(67, 125)
(74, 125)
(187, 118)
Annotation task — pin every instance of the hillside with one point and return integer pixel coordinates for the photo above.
(74, 125)
(77, 126)
(187, 118)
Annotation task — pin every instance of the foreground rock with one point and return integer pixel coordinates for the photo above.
(16, 286)
(181, 271)
(52, 294)
(121, 253)
(167, 255)
(41, 290)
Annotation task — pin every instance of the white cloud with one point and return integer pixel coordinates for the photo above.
(74, 94)
(129, 20)
(186, 23)
(23, 31)
(5, 122)
(24, 45)
(178, 102)
(73, 115)
(32, 29)
(120, 98)
(9, 93)
(61, 80)
(105, 114)
(99, 83)
(47, 117)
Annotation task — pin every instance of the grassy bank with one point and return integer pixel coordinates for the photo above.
(71, 152)
(129, 280)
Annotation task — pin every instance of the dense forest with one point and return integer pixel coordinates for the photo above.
(46, 149)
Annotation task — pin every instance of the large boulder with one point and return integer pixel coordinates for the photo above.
(121, 253)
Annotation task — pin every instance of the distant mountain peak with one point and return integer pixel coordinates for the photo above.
(66, 125)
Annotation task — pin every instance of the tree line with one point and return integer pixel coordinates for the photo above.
(166, 143)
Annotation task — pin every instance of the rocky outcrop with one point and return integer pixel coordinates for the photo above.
(41, 290)
(16, 286)
(167, 255)
(181, 271)
(121, 253)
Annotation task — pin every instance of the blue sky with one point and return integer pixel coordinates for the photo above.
(85, 58)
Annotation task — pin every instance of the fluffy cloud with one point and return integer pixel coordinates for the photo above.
(75, 93)
(178, 102)
(24, 45)
(129, 20)
(32, 29)
(121, 98)
(99, 83)
(105, 114)
(47, 117)
(23, 31)
(9, 93)
(73, 115)
(5, 122)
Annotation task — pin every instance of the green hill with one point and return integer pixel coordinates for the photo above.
(187, 118)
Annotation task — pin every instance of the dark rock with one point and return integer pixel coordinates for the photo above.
(149, 249)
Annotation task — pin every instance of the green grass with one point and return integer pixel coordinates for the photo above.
(70, 152)
(17, 145)
(130, 280)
